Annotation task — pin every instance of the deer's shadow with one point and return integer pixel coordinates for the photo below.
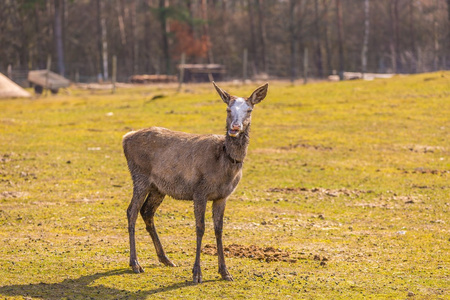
(82, 288)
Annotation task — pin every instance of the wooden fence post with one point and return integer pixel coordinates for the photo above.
(49, 64)
(305, 66)
(181, 79)
(114, 73)
(9, 72)
(244, 66)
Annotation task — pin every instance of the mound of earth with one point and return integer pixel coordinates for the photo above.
(320, 191)
(267, 254)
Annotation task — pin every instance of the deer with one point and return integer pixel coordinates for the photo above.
(185, 166)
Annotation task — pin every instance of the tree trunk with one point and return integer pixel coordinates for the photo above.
(397, 36)
(58, 31)
(120, 18)
(204, 9)
(366, 38)
(147, 39)
(293, 39)
(393, 12)
(318, 40)
(329, 53)
(262, 34)
(448, 10)
(253, 49)
(435, 39)
(134, 44)
(447, 57)
(102, 41)
(165, 41)
(340, 39)
(412, 35)
(104, 50)
(40, 64)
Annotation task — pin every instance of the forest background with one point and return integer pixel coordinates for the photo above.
(149, 36)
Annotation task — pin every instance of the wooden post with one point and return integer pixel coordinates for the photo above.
(180, 80)
(305, 66)
(49, 64)
(114, 73)
(9, 72)
(244, 66)
(366, 39)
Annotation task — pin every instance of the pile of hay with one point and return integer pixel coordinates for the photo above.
(9, 89)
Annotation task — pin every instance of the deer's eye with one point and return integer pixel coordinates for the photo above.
(249, 110)
(228, 110)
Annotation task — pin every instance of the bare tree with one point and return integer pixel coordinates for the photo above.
(206, 30)
(165, 41)
(102, 40)
(58, 31)
(340, 38)
(262, 34)
(318, 39)
(366, 37)
(328, 51)
(447, 56)
(394, 37)
(254, 53)
(134, 44)
(293, 39)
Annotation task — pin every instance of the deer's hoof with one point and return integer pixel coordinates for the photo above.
(197, 278)
(166, 261)
(227, 277)
(225, 274)
(136, 267)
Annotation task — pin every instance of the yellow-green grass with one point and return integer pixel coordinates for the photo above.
(351, 178)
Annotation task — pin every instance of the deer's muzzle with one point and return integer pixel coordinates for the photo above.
(235, 130)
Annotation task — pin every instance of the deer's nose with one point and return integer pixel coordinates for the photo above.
(235, 126)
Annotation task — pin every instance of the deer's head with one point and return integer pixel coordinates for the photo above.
(239, 110)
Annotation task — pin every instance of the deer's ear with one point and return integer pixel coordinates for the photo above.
(259, 94)
(224, 95)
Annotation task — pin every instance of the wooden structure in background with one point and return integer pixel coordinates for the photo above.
(44, 79)
(153, 78)
(202, 72)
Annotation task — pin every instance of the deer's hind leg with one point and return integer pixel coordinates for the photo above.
(148, 210)
(141, 188)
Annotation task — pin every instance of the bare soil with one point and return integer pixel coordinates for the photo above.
(267, 254)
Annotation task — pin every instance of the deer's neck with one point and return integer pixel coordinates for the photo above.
(236, 147)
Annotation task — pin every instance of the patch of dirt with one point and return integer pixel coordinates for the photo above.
(321, 191)
(422, 170)
(267, 254)
(7, 157)
(425, 149)
(12, 194)
(429, 171)
(307, 146)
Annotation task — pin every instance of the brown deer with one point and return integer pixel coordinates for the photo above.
(188, 167)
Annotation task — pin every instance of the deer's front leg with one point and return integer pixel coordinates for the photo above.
(218, 209)
(199, 210)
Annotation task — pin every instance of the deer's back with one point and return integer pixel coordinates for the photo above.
(181, 164)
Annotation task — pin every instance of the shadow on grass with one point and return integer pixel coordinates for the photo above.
(82, 288)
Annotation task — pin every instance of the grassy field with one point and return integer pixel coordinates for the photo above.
(345, 194)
